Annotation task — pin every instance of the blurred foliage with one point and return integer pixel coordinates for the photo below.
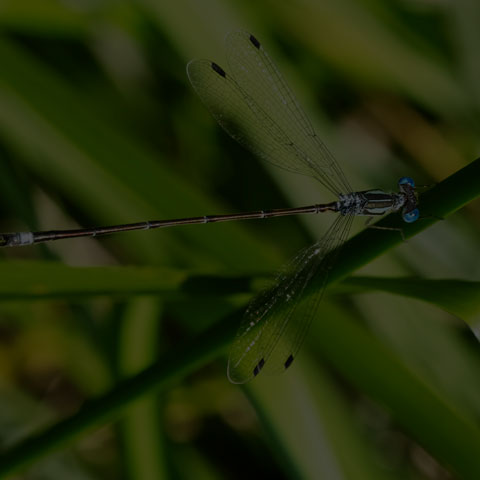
(114, 346)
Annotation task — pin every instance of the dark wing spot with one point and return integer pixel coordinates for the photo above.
(288, 362)
(258, 367)
(255, 42)
(219, 69)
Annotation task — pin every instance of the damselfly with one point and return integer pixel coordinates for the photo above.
(254, 104)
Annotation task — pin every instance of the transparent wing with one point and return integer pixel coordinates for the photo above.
(257, 108)
(276, 321)
(255, 72)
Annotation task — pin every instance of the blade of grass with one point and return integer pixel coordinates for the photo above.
(144, 443)
(48, 17)
(372, 51)
(450, 434)
(458, 297)
(332, 445)
(170, 367)
(34, 280)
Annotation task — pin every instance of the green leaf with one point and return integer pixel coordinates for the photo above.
(382, 56)
(305, 403)
(447, 432)
(170, 367)
(144, 442)
(459, 297)
(36, 279)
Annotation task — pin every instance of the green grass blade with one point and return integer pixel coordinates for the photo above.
(170, 367)
(36, 279)
(322, 419)
(459, 297)
(449, 433)
(144, 443)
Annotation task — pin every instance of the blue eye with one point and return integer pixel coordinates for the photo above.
(411, 216)
(407, 180)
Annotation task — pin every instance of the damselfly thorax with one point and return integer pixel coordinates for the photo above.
(372, 203)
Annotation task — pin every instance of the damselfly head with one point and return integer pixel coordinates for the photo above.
(406, 181)
(411, 216)
(410, 212)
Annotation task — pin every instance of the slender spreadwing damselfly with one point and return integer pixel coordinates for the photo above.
(254, 104)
